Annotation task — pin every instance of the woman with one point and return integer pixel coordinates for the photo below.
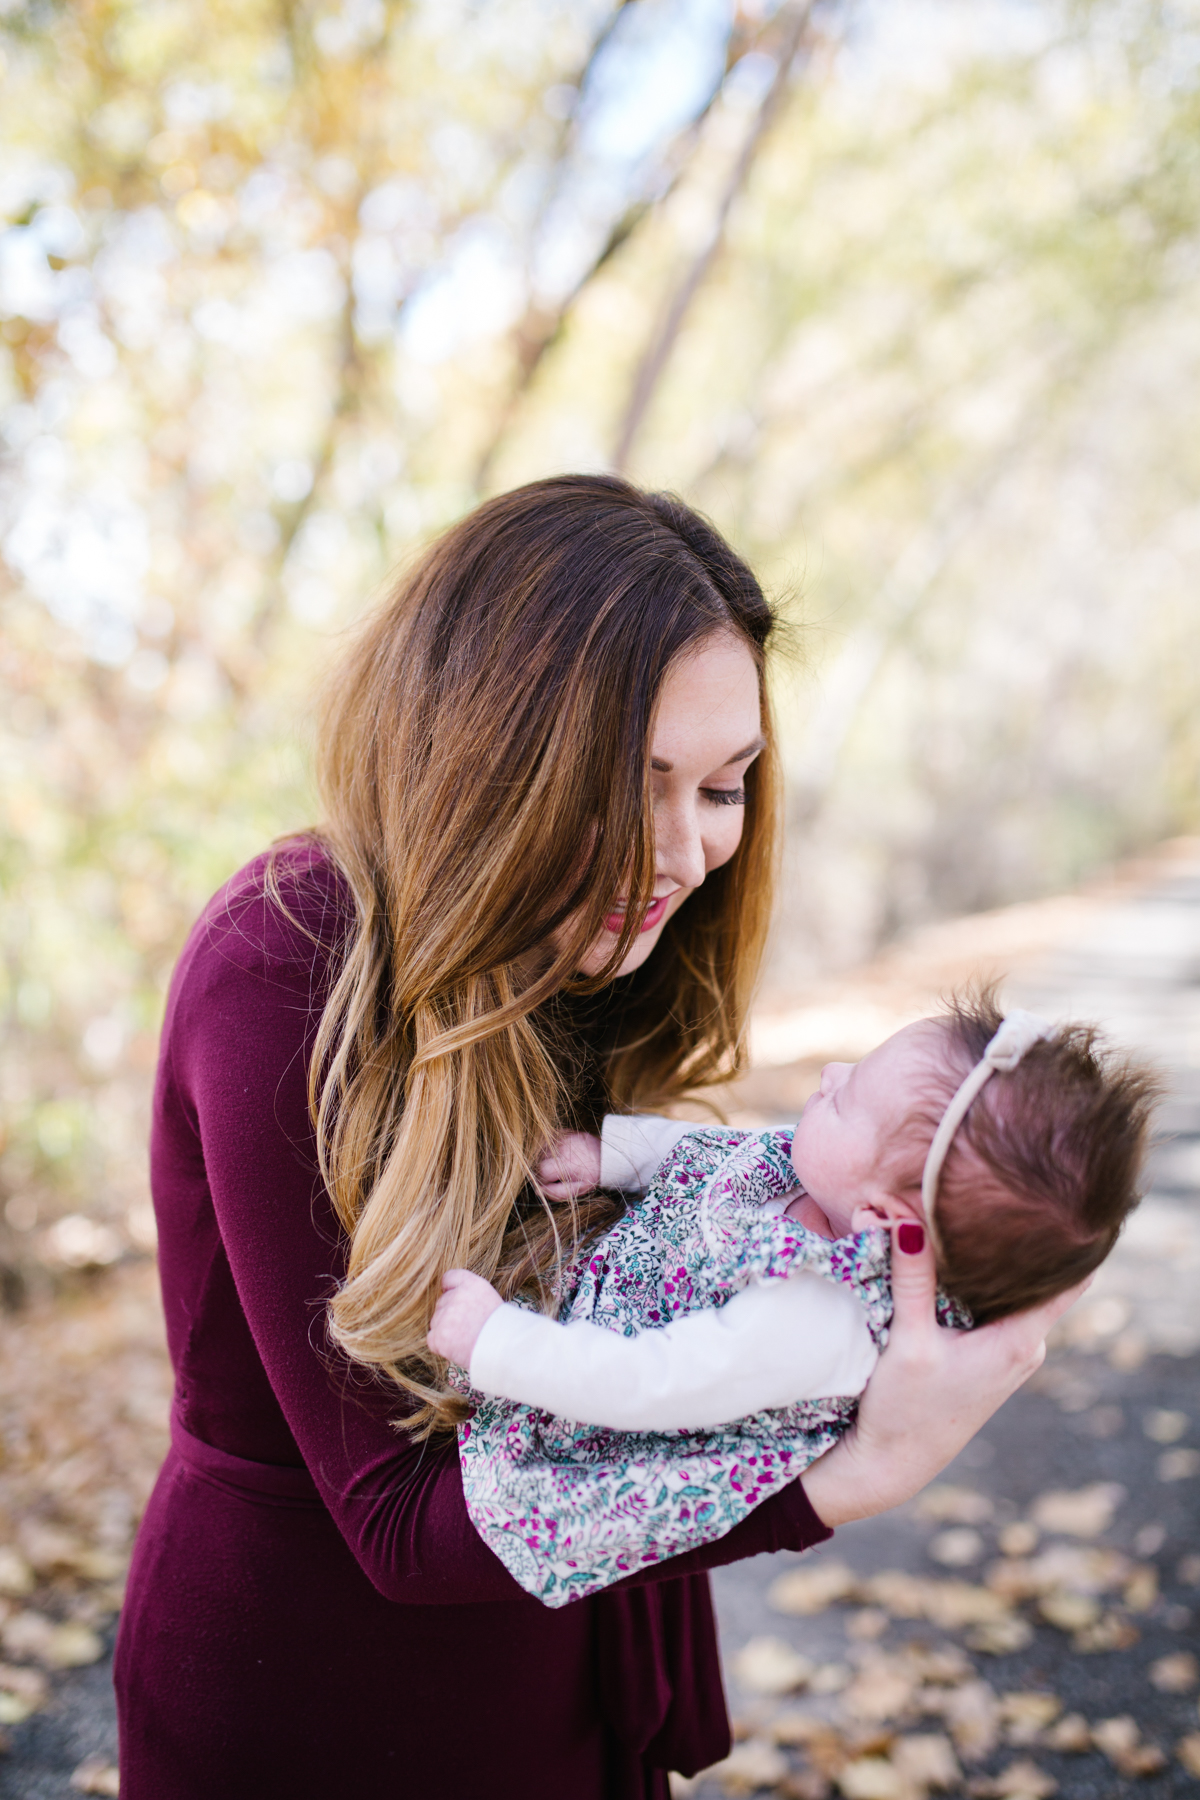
(541, 892)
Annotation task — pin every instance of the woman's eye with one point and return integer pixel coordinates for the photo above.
(725, 796)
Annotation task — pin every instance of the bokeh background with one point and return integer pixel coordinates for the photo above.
(904, 295)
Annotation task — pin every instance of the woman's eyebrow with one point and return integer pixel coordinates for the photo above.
(662, 767)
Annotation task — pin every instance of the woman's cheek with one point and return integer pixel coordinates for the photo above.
(723, 837)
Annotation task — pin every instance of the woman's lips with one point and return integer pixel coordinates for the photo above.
(655, 913)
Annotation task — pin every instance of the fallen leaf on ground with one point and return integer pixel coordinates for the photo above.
(754, 1764)
(96, 1775)
(831, 1678)
(1141, 1591)
(1112, 1632)
(898, 1592)
(1078, 1568)
(1071, 1736)
(1020, 1538)
(945, 1666)
(882, 1690)
(30, 1684)
(767, 1665)
(1020, 1781)
(948, 1505)
(1178, 1465)
(808, 1591)
(804, 1784)
(867, 1624)
(1069, 1612)
(795, 1727)
(52, 1551)
(957, 1548)
(1120, 1740)
(972, 1715)
(1026, 1716)
(873, 1778)
(927, 1760)
(16, 1577)
(1175, 1674)
(1001, 1637)
(1188, 1752)
(1163, 1426)
(1079, 1512)
(22, 1692)
(952, 1605)
(31, 1637)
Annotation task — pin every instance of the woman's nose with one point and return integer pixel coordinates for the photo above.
(679, 846)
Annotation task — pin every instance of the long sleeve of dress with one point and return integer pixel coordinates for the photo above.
(776, 1342)
(251, 1251)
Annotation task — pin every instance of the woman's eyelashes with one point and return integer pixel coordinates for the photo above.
(725, 796)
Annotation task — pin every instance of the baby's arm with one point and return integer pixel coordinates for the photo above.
(797, 1339)
(625, 1155)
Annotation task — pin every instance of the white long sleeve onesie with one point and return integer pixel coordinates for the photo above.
(775, 1342)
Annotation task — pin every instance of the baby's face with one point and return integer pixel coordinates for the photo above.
(846, 1138)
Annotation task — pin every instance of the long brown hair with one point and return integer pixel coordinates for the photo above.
(484, 765)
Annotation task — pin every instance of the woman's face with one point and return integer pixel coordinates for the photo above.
(707, 732)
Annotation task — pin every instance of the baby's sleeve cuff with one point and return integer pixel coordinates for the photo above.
(502, 1345)
(632, 1145)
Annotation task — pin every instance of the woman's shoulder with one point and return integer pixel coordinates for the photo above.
(288, 912)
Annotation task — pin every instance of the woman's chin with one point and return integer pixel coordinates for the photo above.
(638, 951)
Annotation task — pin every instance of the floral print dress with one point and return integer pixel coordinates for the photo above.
(571, 1508)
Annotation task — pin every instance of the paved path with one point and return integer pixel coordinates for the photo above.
(1118, 1402)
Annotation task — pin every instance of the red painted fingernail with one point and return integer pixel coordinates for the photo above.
(911, 1239)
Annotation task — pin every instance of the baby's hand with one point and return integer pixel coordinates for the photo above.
(458, 1318)
(571, 1166)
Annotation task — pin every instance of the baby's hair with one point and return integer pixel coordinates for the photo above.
(1044, 1169)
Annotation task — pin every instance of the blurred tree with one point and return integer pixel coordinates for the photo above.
(904, 297)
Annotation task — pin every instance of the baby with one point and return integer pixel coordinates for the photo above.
(748, 1283)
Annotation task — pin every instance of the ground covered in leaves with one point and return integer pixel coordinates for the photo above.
(83, 1428)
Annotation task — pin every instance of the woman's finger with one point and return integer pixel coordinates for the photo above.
(914, 1276)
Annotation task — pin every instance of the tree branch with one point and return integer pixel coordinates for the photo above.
(658, 354)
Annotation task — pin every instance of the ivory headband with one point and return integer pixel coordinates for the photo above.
(1019, 1032)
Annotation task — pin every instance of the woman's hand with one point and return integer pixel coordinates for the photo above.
(931, 1392)
(570, 1167)
(467, 1302)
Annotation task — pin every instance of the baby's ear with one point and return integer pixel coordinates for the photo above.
(868, 1218)
(888, 1210)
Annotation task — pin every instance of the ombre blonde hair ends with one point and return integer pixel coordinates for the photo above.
(484, 767)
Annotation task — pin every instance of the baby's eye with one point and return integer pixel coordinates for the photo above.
(725, 796)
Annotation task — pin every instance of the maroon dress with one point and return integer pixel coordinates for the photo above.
(310, 1612)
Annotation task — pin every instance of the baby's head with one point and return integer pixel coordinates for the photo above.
(1039, 1176)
